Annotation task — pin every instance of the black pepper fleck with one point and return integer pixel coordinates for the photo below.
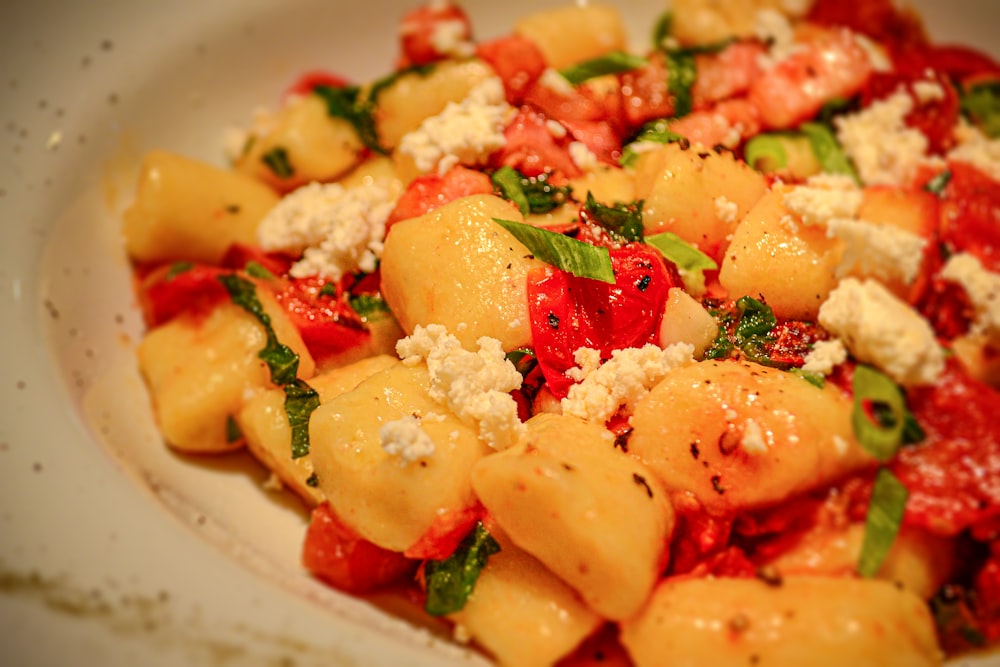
(641, 481)
(717, 484)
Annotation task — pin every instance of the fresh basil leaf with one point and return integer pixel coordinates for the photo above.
(277, 161)
(615, 62)
(885, 515)
(346, 103)
(450, 582)
(828, 151)
(879, 416)
(622, 221)
(233, 432)
(981, 104)
(532, 194)
(507, 181)
(581, 259)
(176, 269)
(328, 289)
(300, 401)
(662, 29)
(815, 379)
(687, 258)
(756, 319)
(652, 132)
(366, 305)
(681, 74)
(258, 270)
(937, 184)
(766, 152)
(523, 360)
(312, 481)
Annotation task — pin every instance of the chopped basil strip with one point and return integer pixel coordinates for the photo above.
(581, 259)
(756, 319)
(312, 481)
(277, 161)
(258, 270)
(346, 103)
(766, 152)
(687, 258)
(281, 360)
(937, 184)
(508, 182)
(176, 269)
(367, 305)
(880, 416)
(662, 29)
(622, 221)
(329, 289)
(523, 360)
(681, 74)
(653, 132)
(885, 515)
(827, 149)
(981, 104)
(530, 194)
(450, 582)
(300, 401)
(233, 432)
(615, 62)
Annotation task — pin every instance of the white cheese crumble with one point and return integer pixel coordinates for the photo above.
(583, 157)
(978, 150)
(448, 39)
(983, 288)
(879, 251)
(825, 356)
(928, 91)
(556, 82)
(880, 329)
(465, 132)
(726, 210)
(475, 386)
(877, 56)
(817, 205)
(884, 150)
(774, 29)
(404, 438)
(753, 441)
(339, 229)
(624, 379)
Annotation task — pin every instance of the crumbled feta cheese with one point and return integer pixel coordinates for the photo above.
(977, 149)
(877, 56)
(556, 82)
(587, 361)
(879, 251)
(825, 356)
(404, 438)
(884, 150)
(774, 29)
(583, 157)
(983, 288)
(623, 379)
(475, 386)
(555, 128)
(818, 205)
(928, 91)
(339, 229)
(753, 441)
(880, 329)
(448, 39)
(726, 210)
(466, 132)
(840, 445)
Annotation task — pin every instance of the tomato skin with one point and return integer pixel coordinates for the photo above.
(568, 312)
(953, 476)
(419, 28)
(166, 292)
(970, 214)
(445, 534)
(934, 118)
(309, 81)
(238, 255)
(430, 191)
(337, 555)
(327, 324)
(532, 150)
(879, 19)
(517, 61)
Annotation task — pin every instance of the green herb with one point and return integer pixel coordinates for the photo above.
(766, 152)
(277, 161)
(367, 305)
(652, 132)
(880, 419)
(615, 62)
(662, 29)
(346, 103)
(312, 481)
(530, 194)
(681, 74)
(721, 347)
(622, 221)
(176, 269)
(885, 515)
(815, 379)
(756, 319)
(581, 259)
(258, 270)
(687, 258)
(937, 184)
(450, 582)
(507, 181)
(300, 401)
(832, 108)
(328, 289)
(281, 360)
(524, 360)
(827, 149)
(981, 104)
(233, 432)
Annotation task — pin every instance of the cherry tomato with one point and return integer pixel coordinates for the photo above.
(517, 61)
(328, 325)
(430, 191)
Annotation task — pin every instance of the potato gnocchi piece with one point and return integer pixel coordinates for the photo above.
(201, 370)
(698, 194)
(415, 96)
(264, 424)
(190, 210)
(381, 496)
(303, 143)
(803, 621)
(455, 266)
(772, 256)
(710, 21)
(738, 435)
(571, 34)
(593, 515)
(522, 613)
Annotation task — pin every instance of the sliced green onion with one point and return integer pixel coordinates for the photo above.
(766, 152)
(827, 149)
(450, 582)
(885, 515)
(581, 259)
(815, 379)
(615, 62)
(687, 258)
(879, 416)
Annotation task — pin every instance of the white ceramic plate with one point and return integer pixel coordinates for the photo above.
(113, 550)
